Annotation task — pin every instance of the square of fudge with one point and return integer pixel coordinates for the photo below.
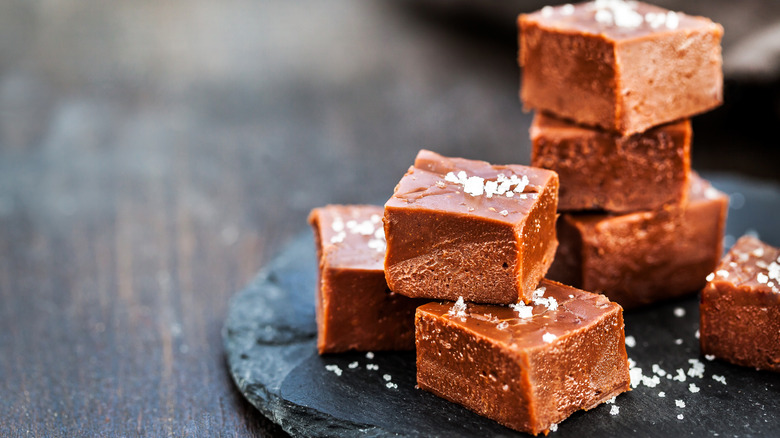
(603, 170)
(527, 367)
(643, 257)
(740, 306)
(354, 308)
(621, 66)
(465, 228)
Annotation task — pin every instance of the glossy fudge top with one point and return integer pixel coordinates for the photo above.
(555, 311)
(750, 263)
(352, 236)
(470, 187)
(615, 19)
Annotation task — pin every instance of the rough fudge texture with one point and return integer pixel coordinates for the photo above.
(601, 170)
(643, 257)
(740, 306)
(526, 367)
(621, 66)
(458, 227)
(355, 310)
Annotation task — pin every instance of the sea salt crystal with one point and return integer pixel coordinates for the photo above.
(722, 273)
(502, 325)
(554, 427)
(662, 394)
(679, 403)
(693, 388)
(678, 341)
(709, 356)
(387, 377)
(567, 9)
(458, 310)
(630, 341)
(672, 20)
(718, 378)
(680, 416)
(522, 310)
(710, 276)
(370, 355)
(697, 368)
(547, 11)
(391, 385)
(548, 337)
(372, 367)
(503, 213)
(762, 278)
(353, 365)
(614, 410)
(334, 368)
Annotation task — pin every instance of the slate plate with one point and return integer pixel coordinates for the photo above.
(269, 337)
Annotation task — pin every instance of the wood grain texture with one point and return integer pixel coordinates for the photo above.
(154, 155)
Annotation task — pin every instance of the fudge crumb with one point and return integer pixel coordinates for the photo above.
(662, 394)
(458, 310)
(679, 312)
(630, 342)
(718, 378)
(370, 355)
(353, 365)
(614, 410)
(334, 369)
(693, 388)
(679, 403)
(548, 337)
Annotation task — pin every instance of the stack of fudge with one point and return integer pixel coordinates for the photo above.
(454, 267)
(614, 84)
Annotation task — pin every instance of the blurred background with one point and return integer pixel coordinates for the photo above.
(155, 154)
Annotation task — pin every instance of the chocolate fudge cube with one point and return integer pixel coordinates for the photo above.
(642, 257)
(458, 227)
(621, 66)
(526, 367)
(354, 309)
(740, 306)
(601, 170)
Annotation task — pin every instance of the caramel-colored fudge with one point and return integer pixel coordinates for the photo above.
(643, 257)
(354, 309)
(466, 228)
(526, 367)
(601, 170)
(621, 66)
(740, 307)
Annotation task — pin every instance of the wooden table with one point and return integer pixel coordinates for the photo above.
(154, 155)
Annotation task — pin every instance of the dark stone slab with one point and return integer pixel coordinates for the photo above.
(269, 337)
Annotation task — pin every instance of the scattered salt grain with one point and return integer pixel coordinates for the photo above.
(718, 378)
(391, 385)
(503, 213)
(679, 312)
(697, 334)
(696, 369)
(334, 369)
(611, 401)
(387, 377)
(614, 410)
(630, 342)
(679, 403)
(554, 427)
(680, 377)
(458, 310)
(709, 357)
(353, 365)
(662, 394)
(678, 341)
(693, 388)
(680, 416)
(370, 355)
(372, 367)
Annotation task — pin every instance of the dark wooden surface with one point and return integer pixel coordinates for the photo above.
(154, 155)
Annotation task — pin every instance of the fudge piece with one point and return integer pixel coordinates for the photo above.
(601, 170)
(740, 306)
(643, 257)
(621, 66)
(458, 227)
(526, 367)
(355, 310)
